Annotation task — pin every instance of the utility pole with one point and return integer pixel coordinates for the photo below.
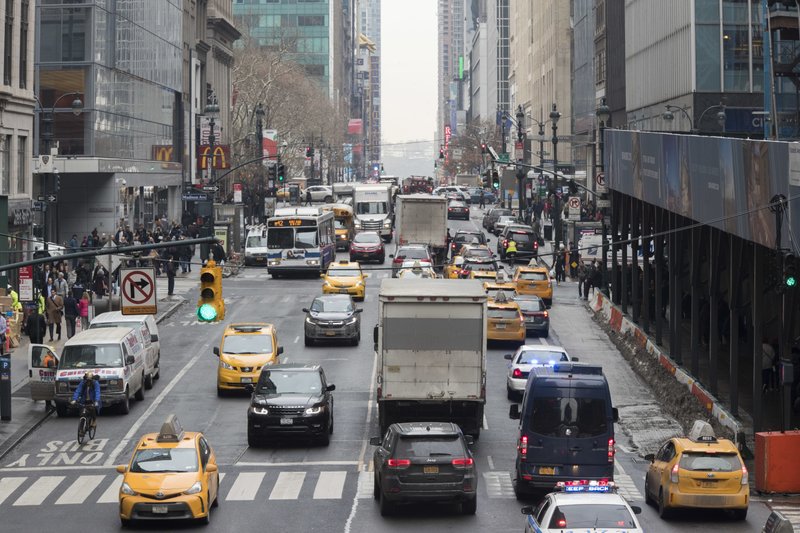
(554, 116)
(520, 149)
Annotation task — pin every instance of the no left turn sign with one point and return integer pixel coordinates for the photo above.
(138, 291)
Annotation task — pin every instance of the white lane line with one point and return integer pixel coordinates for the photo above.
(8, 485)
(330, 485)
(366, 484)
(485, 422)
(498, 484)
(296, 339)
(134, 430)
(299, 463)
(40, 490)
(245, 487)
(490, 461)
(288, 486)
(286, 299)
(221, 477)
(111, 494)
(80, 489)
(627, 487)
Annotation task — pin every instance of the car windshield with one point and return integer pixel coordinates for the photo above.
(592, 516)
(457, 204)
(505, 220)
(413, 253)
(416, 273)
(289, 382)
(707, 462)
(413, 446)
(344, 272)
(478, 252)
(485, 267)
(506, 314)
(533, 276)
(535, 357)
(159, 460)
(500, 212)
(530, 306)
(339, 224)
(91, 356)
(371, 208)
(255, 241)
(333, 305)
(247, 344)
(367, 238)
(554, 416)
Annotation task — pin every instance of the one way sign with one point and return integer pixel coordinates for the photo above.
(138, 291)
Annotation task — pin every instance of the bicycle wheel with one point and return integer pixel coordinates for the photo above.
(82, 426)
(92, 428)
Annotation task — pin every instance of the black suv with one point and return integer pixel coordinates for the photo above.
(492, 215)
(290, 400)
(463, 237)
(424, 461)
(527, 242)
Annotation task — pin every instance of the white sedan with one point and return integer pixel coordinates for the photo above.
(414, 269)
(526, 357)
(319, 193)
(583, 506)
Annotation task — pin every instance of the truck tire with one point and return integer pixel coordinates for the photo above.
(140, 393)
(125, 406)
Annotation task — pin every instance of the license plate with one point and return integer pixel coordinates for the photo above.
(330, 333)
(159, 509)
(547, 470)
(431, 469)
(499, 326)
(343, 291)
(708, 484)
(247, 380)
(287, 421)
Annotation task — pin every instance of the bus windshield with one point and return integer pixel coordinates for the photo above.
(282, 238)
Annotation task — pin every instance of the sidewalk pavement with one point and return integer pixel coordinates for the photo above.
(27, 414)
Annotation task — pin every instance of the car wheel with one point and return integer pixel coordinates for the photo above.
(647, 498)
(740, 514)
(328, 199)
(308, 341)
(124, 522)
(221, 393)
(469, 507)
(158, 367)
(381, 259)
(215, 503)
(386, 507)
(520, 493)
(512, 395)
(207, 518)
(325, 438)
(356, 340)
(140, 393)
(148, 381)
(546, 333)
(376, 489)
(125, 406)
(61, 410)
(663, 511)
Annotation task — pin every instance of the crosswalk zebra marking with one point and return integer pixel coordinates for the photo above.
(246, 486)
(330, 485)
(366, 484)
(498, 484)
(790, 512)
(111, 494)
(8, 485)
(288, 486)
(79, 490)
(627, 487)
(41, 489)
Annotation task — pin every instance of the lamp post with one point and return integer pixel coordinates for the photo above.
(259, 113)
(554, 116)
(211, 110)
(520, 159)
(48, 120)
(695, 128)
(603, 113)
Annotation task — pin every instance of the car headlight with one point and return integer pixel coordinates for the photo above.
(273, 262)
(351, 321)
(359, 283)
(310, 320)
(327, 283)
(357, 224)
(126, 489)
(387, 223)
(225, 365)
(312, 262)
(260, 410)
(314, 410)
(194, 489)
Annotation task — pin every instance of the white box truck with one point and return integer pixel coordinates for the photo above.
(372, 204)
(422, 219)
(431, 349)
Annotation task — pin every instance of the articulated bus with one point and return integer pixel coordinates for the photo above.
(300, 240)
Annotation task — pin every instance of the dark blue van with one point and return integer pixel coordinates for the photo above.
(566, 428)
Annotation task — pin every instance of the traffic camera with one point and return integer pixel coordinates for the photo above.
(210, 306)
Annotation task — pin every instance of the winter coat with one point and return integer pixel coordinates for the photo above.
(55, 309)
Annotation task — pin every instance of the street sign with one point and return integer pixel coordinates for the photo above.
(210, 188)
(52, 198)
(600, 183)
(237, 193)
(574, 204)
(138, 291)
(600, 203)
(39, 206)
(26, 283)
(194, 196)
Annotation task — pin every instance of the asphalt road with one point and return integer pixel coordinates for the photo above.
(48, 482)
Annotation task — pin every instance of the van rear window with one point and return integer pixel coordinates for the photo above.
(569, 417)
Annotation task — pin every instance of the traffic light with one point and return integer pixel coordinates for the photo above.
(573, 187)
(281, 172)
(495, 180)
(210, 306)
(57, 183)
(483, 147)
(486, 178)
(309, 151)
(789, 271)
(441, 153)
(272, 171)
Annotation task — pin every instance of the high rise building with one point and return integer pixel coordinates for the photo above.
(451, 64)
(488, 59)
(370, 26)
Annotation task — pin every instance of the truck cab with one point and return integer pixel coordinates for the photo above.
(372, 204)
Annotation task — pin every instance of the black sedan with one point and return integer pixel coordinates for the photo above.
(457, 210)
(332, 317)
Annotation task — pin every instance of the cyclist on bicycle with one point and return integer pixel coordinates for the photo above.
(88, 394)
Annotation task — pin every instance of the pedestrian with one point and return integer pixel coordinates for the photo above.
(55, 312)
(3, 331)
(580, 272)
(218, 252)
(83, 311)
(767, 364)
(16, 305)
(48, 288)
(61, 286)
(483, 199)
(35, 326)
(308, 197)
(597, 277)
(170, 269)
(72, 247)
(561, 261)
(71, 313)
(99, 281)
(588, 276)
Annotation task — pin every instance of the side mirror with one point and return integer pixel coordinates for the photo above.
(331, 388)
(508, 356)
(249, 388)
(211, 469)
(636, 509)
(358, 311)
(470, 440)
(153, 338)
(615, 414)
(121, 469)
(375, 441)
(528, 509)
(513, 412)
(216, 351)
(576, 360)
(305, 310)
(280, 350)
(650, 457)
(130, 360)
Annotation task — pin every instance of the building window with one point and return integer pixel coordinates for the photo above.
(315, 70)
(7, 45)
(22, 159)
(23, 41)
(5, 164)
(311, 20)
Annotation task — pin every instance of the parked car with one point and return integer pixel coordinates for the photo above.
(367, 246)
(492, 215)
(332, 317)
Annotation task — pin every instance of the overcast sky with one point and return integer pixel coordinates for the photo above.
(408, 70)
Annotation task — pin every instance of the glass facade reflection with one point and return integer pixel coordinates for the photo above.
(125, 58)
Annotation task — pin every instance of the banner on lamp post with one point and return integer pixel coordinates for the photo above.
(237, 193)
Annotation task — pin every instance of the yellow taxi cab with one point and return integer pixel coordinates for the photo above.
(698, 471)
(483, 275)
(452, 270)
(479, 252)
(504, 319)
(173, 475)
(501, 284)
(534, 280)
(244, 349)
(345, 277)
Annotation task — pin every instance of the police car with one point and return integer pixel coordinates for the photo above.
(582, 505)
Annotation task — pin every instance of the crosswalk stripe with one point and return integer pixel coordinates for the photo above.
(40, 490)
(330, 485)
(221, 477)
(246, 486)
(288, 486)
(8, 485)
(79, 490)
(498, 484)
(366, 484)
(111, 494)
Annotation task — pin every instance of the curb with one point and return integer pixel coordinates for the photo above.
(600, 305)
(12, 442)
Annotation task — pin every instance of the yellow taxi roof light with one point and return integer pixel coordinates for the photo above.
(171, 430)
(702, 432)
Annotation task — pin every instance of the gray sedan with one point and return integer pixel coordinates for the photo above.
(332, 317)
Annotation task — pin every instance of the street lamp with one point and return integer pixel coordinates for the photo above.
(520, 159)
(211, 110)
(695, 128)
(603, 113)
(554, 116)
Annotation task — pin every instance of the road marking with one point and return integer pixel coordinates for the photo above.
(498, 484)
(221, 477)
(111, 494)
(330, 485)
(134, 430)
(288, 486)
(286, 299)
(490, 461)
(627, 487)
(8, 485)
(485, 422)
(296, 339)
(366, 485)
(246, 486)
(40, 490)
(302, 463)
(79, 490)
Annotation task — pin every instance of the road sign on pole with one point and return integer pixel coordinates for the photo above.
(574, 203)
(138, 291)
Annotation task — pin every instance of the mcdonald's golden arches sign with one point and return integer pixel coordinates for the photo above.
(220, 158)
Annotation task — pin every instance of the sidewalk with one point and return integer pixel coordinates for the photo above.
(27, 414)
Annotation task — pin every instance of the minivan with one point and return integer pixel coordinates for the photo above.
(566, 428)
(146, 324)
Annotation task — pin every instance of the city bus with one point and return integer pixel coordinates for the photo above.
(300, 240)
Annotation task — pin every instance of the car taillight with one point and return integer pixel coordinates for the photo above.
(561, 522)
(611, 450)
(673, 476)
(505, 243)
(523, 446)
(463, 463)
(535, 245)
(517, 373)
(398, 260)
(449, 208)
(545, 314)
(464, 272)
(745, 476)
(398, 463)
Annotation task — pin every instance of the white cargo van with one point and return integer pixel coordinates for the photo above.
(116, 355)
(147, 326)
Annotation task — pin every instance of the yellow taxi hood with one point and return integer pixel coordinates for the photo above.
(256, 359)
(168, 482)
(344, 279)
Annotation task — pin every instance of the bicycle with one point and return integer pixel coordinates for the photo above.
(85, 424)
